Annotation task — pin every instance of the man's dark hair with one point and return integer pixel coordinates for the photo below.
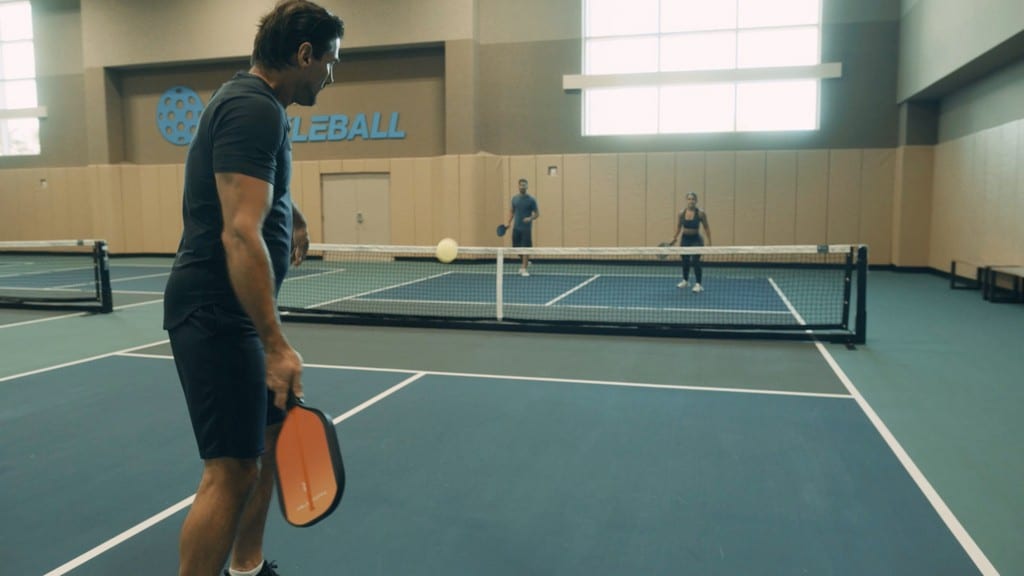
(287, 26)
(523, 180)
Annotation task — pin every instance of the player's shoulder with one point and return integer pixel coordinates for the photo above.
(245, 91)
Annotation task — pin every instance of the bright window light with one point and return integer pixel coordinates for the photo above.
(18, 136)
(623, 111)
(609, 18)
(698, 108)
(15, 21)
(703, 51)
(765, 106)
(697, 15)
(622, 55)
(22, 136)
(778, 47)
(678, 64)
(18, 60)
(19, 94)
(761, 13)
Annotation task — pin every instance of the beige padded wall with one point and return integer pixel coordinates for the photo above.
(1001, 224)
(812, 197)
(576, 200)
(403, 212)
(940, 246)
(878, 170)
(473, 225)
(750, 199)
(978, 199)
(447, 220)
(912, 212)
(40, 221)
(8, 207)
(604, 205)
(312, 198)
(720, 197)
(21, 201)
(131, 200)
(632, 198)
(551, 201)
(660, 202)
(777, 197)
(1017, 243)
(423, 203)
(844, 196)
(20, 204)
(103, 185)
(496, 196)
(780, 198)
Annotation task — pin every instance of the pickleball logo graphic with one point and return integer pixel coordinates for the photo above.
(177, 115)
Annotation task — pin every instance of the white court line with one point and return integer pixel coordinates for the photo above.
(50, 271)
(83, 360)
(545, 379)
(113, 280)
(122, 537)
(578, 286)
(74, 315)
(157, 518)
(38, 320)
(950, 519)
(416, 281)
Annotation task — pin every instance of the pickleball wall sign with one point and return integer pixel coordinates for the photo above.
(177, 118)
(177, 115)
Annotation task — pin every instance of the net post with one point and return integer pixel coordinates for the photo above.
(499, 314)
(103, 276)
(860, 333)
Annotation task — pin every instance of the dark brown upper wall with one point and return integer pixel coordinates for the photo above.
(410, 82)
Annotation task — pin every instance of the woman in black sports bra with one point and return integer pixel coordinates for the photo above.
(690, 220)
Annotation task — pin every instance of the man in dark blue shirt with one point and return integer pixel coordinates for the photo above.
(241, 233)
(523, 211)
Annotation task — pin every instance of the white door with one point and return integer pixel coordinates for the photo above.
(356, 208)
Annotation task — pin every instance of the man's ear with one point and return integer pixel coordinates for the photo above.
(304, 54)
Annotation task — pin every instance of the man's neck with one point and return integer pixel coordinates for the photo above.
(274, 79)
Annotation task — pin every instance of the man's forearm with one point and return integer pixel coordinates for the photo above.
(252, 279)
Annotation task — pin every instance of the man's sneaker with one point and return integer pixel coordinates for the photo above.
(523, 272)
(697, 288)
(682, 284)
(269, 568)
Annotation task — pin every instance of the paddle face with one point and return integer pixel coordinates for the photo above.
(310, 471)
(501, 230)
(663, 245)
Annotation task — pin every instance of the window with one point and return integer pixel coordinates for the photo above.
(688, 66)
(19, 104)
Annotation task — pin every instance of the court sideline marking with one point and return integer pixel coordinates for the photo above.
(544, 379)
(74, 315)
(948, 517)
(163, 515)
(83, 360)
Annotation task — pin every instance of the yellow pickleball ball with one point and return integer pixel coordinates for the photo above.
(447, 250)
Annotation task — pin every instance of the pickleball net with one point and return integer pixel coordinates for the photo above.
(814, 291)
(55, 274)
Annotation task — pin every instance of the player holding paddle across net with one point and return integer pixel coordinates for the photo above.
(524, 212)
(690, 220)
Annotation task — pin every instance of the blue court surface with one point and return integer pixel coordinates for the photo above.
(478, 474)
